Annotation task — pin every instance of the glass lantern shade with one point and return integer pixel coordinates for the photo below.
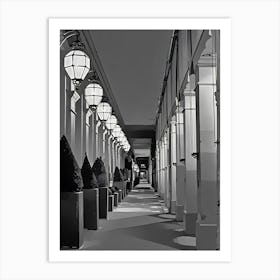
(121, 137)
(111, 122)
(124, 141)
(116, 131)
(104, 111)
(126, 145)
(77, 65)
(93, 94)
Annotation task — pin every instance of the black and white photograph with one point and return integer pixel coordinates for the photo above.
(140, 139)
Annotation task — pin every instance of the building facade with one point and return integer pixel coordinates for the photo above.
(188, 134)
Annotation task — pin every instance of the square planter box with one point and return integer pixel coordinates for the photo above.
(111, 203)
(125, 188)
(120, 192)
(128, 187)
(103, 203)
(116, 199)
(120, 186)
(71, 219)
(91, 208)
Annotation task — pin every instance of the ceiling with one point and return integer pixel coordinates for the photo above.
(141, 146)
(134, 63)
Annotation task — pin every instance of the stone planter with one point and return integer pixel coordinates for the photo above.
(120, 186)
(71, 219)
(103, 203)
(125, 187)
(120, 192)
(116, 199)
(110, 202)
(91, 208)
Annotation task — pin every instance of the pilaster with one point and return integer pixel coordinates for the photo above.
(206, 112)
(190, 207)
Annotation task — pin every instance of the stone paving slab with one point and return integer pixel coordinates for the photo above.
(140, 222)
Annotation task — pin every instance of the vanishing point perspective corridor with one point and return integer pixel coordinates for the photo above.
(139, 140)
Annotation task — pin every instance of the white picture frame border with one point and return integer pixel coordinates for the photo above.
(57, 255)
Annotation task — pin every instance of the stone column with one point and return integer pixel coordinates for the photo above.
(110, 153)
(114, 154)
(118, 156)
(71, 129)
(150, 171)
(94, 135)
(173, 164)
(97, 141)
(83, 125)
(157, 167)
(180, 164)
(121, 156)
(80, 129)
(105, 155)
(190, 207)
(65, 111)
(162, 185)
(89, 134)
(163, 169)
(166, 172)
(206, 112)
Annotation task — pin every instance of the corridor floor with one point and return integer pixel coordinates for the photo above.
(140, 222)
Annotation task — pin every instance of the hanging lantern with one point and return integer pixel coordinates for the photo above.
(111, 122)
(104, 111)
(124, 142)
(126, 146)
(93, 94)
(77, 64)
(120, 137)
(116, 131)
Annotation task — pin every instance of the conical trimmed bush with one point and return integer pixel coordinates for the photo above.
(124, 173)
(99, 170)
(70, 173)
(118, 176)
(89, 179)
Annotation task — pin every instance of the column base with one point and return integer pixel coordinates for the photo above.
(173, 207)
(179, 213)
(190, 222)
(206, 235)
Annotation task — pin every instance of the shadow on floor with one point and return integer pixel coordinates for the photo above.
(140, 222)
(155, 233)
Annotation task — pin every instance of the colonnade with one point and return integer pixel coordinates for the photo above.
(86, 134)
(187, 148)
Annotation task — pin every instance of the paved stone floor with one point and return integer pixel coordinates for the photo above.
(140, 222)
